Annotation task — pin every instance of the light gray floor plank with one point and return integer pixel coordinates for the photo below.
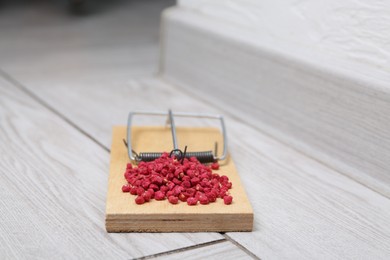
(335, 116)
(34, 32)
(60, 216)
(224, 250)
(54, 184)
(302, 208)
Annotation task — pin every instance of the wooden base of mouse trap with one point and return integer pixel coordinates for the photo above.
(124, 215)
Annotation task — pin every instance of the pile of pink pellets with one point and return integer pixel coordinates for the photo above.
(167, 178)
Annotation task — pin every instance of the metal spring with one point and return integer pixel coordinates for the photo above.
(203, 157)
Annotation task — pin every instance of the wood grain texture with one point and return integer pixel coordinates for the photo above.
(41, 32)
(302, 208)
(124, 215)
(224, 250)
(53, 190)
(326, 110)
(334, 31)
(53, 179)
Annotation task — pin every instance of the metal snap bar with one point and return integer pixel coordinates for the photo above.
(202, 156)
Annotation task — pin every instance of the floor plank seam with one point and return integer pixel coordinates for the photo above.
(201, 99)
(243, 248)
(188, 248)
(21, 87)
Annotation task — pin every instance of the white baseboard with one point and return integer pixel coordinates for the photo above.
(335, 114)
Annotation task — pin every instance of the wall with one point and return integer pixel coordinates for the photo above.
(306, 74)
(346, 33)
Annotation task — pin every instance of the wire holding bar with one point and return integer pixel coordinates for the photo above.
(204, 156)
(173, 129)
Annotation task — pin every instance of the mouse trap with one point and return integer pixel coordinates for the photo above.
(133, 144)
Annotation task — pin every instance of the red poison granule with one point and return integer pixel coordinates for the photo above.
(167, 178)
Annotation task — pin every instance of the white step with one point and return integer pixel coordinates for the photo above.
(336, 115)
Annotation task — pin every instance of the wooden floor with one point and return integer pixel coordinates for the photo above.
(64, 82)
